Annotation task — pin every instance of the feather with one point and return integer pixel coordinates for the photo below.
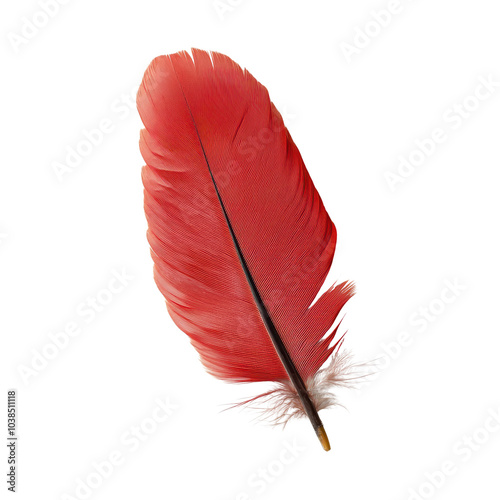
(240, 239)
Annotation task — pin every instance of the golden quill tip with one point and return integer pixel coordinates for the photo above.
(323, 438)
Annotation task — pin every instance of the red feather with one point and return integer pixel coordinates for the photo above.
(222, 171)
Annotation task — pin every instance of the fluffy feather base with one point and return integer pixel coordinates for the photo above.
(281, 404)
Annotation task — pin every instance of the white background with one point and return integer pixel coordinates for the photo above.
(354, 105)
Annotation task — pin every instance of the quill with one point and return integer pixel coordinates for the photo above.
(240, 239)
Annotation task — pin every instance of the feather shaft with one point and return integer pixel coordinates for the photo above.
(283, 354)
